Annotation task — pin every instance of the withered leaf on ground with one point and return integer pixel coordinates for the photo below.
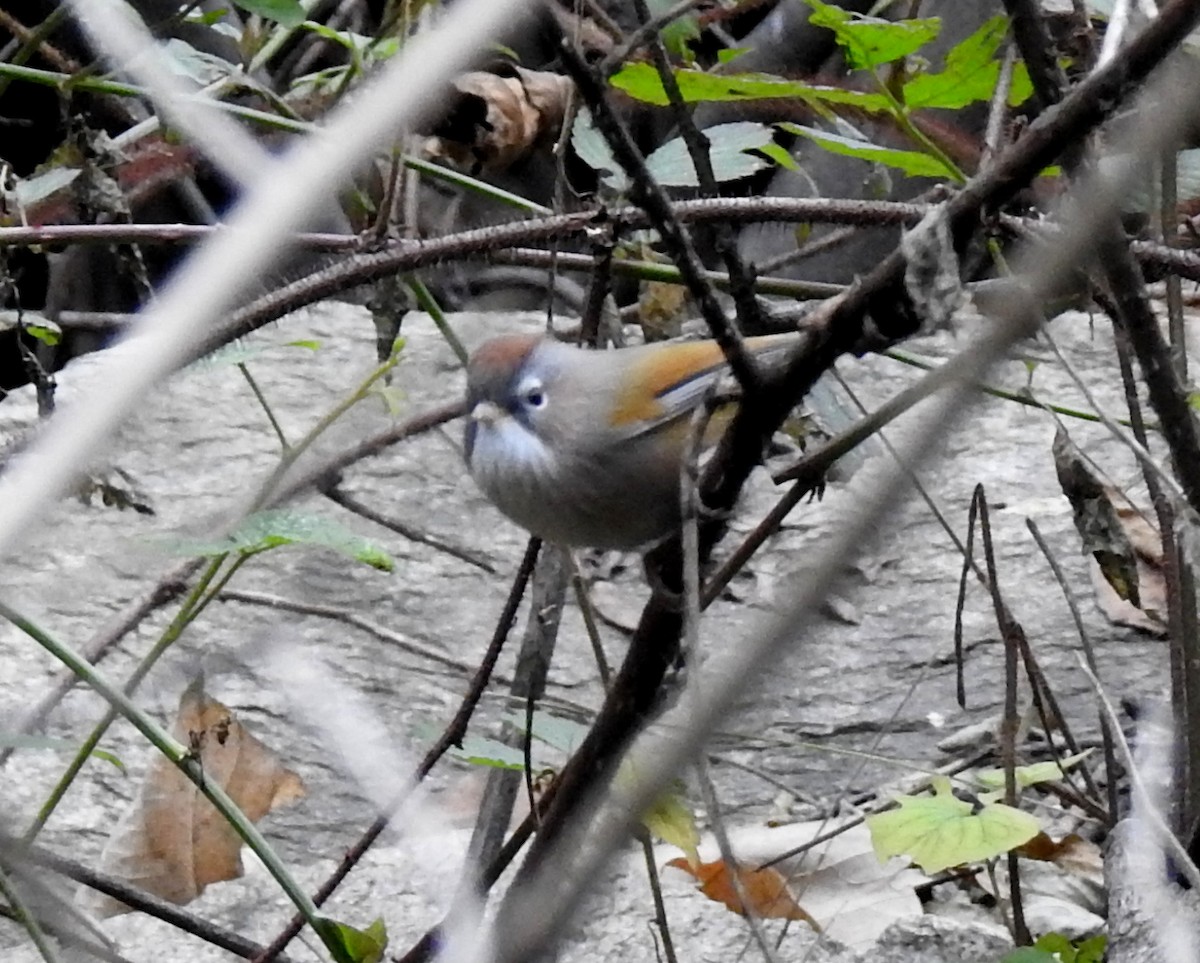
(1126, 548)
(766, 889)
(498, 118)
(173, 842)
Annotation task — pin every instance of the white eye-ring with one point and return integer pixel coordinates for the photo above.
(532, 393)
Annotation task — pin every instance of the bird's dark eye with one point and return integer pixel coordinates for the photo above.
(531, 392)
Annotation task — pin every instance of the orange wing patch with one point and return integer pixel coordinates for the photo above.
(659, 371)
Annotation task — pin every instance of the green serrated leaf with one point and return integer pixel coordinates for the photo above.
(271, 529)
(641, 81)
(872, 41)
(288, 13)
(672, 166)
(911, 162)
(970, 74)
(672, 821)
(44, 331)
(351, 945)
(940, 831)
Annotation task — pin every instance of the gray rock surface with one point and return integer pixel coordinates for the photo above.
(874, 673)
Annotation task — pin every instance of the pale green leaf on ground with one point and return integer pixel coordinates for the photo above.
(940, 831)
(1027, 776)
(272, 529)
(555, 731)
(910, 162)
(872, 41)
(482, 751)
(353, 945)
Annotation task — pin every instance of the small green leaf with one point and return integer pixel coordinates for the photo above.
(641, 81)
(911, 162)
(206, 18)
(46, 332)
(1027, 776)
(1057, 948)
(672, 166)
(14, 740)
(1092, 949)
(271, 529)
(729, 54)
(351, 945)
(872, 41)
(482, 751)
(940, 831)
(310, 343)
(679, 34)
(356, 43)
(288, 13)
(778, 153)
(673, 822)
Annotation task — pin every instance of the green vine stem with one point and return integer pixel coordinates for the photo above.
(915, 361)
(428, 303)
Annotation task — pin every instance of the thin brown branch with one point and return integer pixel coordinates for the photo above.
(144, 902)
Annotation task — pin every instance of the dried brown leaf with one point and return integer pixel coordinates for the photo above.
(1072, 853)
(1126, 548)
(173, 842)
(765, 889)
(499, 118)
